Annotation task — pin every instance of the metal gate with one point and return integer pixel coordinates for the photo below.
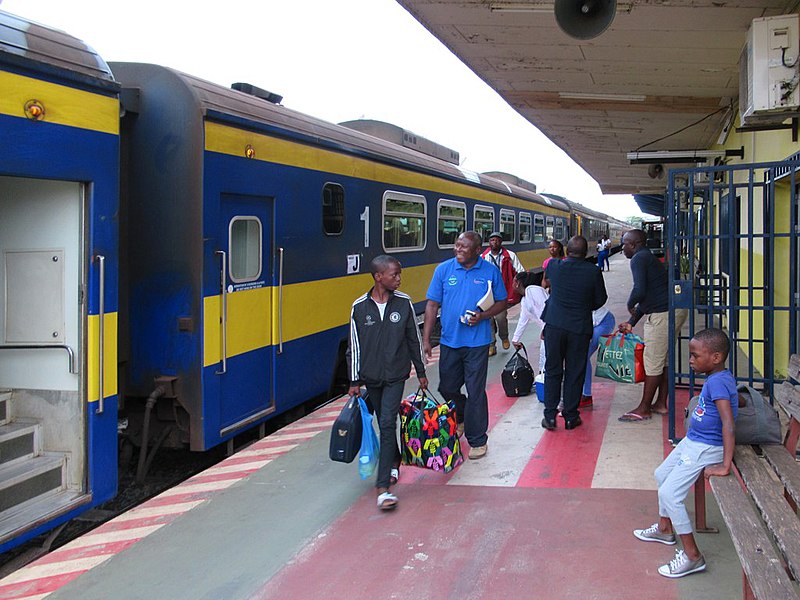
(732, 250)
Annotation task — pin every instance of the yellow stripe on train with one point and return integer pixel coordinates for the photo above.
(110, 351)
(62, 104)
(308, 308)
(233, 141)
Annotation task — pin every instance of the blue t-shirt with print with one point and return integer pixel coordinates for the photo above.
(457, 289)
(705, 425)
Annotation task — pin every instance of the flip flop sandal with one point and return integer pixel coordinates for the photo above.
(387, 501)
(631, 417)
(394, 475)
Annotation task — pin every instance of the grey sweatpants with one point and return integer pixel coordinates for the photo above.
(677, 474)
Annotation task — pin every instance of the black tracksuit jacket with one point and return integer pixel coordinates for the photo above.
(381, 351)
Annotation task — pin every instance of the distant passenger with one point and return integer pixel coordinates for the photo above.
(534, 296)
(650, 297)
(603, 245)
(576, 289)
(384, 341)
(709, 445)
(602, 324)
(509, 266)
(457, 286)
(556, 250)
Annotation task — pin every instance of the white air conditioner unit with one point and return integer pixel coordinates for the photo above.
(769, 71)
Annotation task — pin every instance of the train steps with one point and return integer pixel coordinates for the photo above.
(32, 481)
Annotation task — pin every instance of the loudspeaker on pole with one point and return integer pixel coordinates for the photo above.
(585, 19)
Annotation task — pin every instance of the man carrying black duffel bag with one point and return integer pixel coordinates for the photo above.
(384, 341)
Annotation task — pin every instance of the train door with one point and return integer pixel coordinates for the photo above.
(245, 370)
(42, 317)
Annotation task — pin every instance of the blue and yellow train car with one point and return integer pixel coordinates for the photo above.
(59, 165)
(250, 229)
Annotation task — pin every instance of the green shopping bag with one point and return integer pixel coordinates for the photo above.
(620, 358)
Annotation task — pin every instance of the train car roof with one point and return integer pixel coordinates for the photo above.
(26, 42)
(224, 104)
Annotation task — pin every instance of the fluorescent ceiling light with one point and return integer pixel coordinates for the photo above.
(603, 97)
(521, 7)
(680, 156)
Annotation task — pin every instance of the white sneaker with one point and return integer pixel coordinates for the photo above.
(681, 566)
(652, 534)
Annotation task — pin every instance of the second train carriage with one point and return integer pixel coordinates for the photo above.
(249, 231)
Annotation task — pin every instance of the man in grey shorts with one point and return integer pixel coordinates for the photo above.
(649, 298)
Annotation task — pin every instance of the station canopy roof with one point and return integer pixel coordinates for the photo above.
(660, 66)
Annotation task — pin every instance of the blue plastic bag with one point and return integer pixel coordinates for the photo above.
(368, 454)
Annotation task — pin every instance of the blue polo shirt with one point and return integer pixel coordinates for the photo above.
(457, 289)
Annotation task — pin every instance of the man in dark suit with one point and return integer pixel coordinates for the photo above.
(576, 289)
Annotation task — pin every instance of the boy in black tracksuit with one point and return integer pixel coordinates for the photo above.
(384, 341)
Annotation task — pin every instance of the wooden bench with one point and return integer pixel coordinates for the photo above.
(763, 521)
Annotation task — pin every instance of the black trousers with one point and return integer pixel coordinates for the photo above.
(565, 363)
(386, 401)
(467, 367)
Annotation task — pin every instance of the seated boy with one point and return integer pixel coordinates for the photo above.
(709, 445)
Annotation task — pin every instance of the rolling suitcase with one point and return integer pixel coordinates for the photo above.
(346, 433)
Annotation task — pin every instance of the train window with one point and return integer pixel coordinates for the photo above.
(549, 229)
(244, 246)
(404, 217)
(483, 221)
(538, 228)
(508, 225)
(452, 222)
(332, 209)
(524, 228)
(559, 229)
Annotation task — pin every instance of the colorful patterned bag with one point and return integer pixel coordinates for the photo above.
(620, 358)
(428, 435)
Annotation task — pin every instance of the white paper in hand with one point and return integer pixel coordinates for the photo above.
(487, 301)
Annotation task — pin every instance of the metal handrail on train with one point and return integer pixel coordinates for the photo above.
(101, 314)
(72, 366)
(224, 312)
(280, 300)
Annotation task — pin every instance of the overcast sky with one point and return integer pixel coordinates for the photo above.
(337, 60)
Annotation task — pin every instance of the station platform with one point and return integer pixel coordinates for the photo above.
(545, 515)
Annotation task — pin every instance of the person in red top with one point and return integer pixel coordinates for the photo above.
(509, 266)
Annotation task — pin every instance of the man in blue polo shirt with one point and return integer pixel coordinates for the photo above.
(457, 286)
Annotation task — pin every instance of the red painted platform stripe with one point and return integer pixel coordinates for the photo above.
(37, 586)
(109, 548)
(567, 459)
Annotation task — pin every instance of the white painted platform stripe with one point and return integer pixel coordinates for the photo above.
(257, 450)
(145, 512)
(44, 571)
(244, 468)
(98, 537)
(213, 486)
(300, 435)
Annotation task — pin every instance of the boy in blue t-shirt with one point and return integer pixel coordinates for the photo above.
(709, 445)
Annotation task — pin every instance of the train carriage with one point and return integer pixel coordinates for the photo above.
(251, 228)
(59, 126)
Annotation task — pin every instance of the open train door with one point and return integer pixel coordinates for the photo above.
(245, 267)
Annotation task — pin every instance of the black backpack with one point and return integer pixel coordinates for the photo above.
(518, 375)
(346, 433)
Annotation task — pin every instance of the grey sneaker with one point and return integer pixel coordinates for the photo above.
(652, 534)
(681, 565)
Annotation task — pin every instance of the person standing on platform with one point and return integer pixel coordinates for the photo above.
(556, 250)
(709, 444)
(384, 341)
(457, 286)
(509, 266)
(650, 297)
(534, 296)
(602, 253)
(576, 289)
(603, 324)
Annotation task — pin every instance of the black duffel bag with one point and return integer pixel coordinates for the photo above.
(518, 375)
(346, 432)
